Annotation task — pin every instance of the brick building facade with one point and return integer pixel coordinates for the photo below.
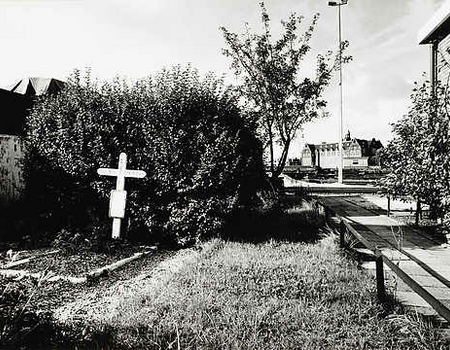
(357, 153)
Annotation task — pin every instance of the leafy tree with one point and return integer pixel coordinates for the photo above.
(271, 86)
(199, 150)
(418, 155)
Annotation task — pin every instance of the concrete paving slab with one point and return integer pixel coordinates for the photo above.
(425, 262)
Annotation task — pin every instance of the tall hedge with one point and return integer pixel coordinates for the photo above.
(187, 132)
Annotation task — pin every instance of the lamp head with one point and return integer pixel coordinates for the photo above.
(335, 3)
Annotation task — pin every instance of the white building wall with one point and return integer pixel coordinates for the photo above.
(356, 162)
(306, 160)
(329, 161)
(11, 177)
(332, 162)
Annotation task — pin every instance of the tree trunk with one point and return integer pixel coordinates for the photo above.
(434, 211)
(282, 161)
(418, 212)
(272, 167)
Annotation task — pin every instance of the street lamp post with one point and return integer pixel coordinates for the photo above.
(341, 160)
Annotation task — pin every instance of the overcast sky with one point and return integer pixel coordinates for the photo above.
(134, 38)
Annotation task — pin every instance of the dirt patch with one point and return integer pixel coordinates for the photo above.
(27, 304)
(95, 306)
(50, 295)
(77, 264)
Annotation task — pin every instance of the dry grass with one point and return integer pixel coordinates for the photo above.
(249, 294)
(271, 295)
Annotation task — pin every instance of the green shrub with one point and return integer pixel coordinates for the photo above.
(188, 133)
(303, 222)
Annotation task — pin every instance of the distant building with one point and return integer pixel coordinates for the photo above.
(294, 162)
(293, 165)
(436, 33)
(357, 153)
(309, 155)
(16, 102)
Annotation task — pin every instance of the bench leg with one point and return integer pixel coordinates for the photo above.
(342, 230)
(388, 206)
(381, 292)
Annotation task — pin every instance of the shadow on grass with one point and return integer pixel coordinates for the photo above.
(296, 222)
(433, 231)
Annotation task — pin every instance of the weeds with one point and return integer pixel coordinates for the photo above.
(18, 323)
(300, 223)
(9, 257)
(272, 295)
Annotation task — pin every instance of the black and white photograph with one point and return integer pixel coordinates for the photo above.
(225, 174)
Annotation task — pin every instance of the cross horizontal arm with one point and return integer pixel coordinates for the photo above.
(126, 173)
(135, 173)
(108, 171)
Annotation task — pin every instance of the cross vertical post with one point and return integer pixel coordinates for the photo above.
(116, 228)
(120, 186)
(118, 196)
(120, 182)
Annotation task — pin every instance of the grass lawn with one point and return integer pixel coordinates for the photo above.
(292, 292)
(270, 295)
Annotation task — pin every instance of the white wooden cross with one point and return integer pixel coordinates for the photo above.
(118, 196)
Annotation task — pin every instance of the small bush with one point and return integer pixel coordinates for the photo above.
(69, 241)
(301, 223)
(95, 239)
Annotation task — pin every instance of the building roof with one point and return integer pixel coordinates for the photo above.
(310, 146)
(17, 100)
(375, 144)
(335, 145)
(36, 86)
(362, 143)
(14, 110)
(437, 26)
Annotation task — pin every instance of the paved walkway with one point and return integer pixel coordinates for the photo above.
(424, 258)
